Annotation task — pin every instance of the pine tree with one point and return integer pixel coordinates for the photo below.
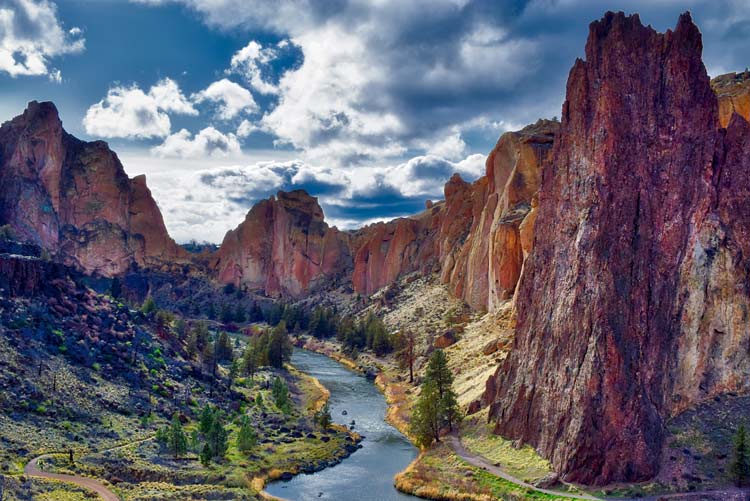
(217, 437)
(115, 290)
(247, 439)
(407, 353)
(206, 419)
(148, 306)
(741, 463)
(206, 455)
(427, 416)
(223, 350)
(279, 348)
(438, 371)
(177, 440)
(280, 392)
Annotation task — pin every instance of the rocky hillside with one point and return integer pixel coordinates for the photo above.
(74, 199)
(633, 303)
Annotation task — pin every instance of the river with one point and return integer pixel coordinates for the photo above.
(368, 473)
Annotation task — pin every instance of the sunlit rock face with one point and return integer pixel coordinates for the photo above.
(74, 199)
(733, 91)
(283, 248)
(633, 303)
(472, 238)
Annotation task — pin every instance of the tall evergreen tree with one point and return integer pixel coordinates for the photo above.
(279, 348)
(741, 462)
(438, 371)
(427, 416)
(247, 439)
(177, 440)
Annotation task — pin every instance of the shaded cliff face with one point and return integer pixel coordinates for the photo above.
(74, 199)
(634, 298)
(283, 248)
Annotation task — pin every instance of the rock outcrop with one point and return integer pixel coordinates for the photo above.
(283, 248)
(634, 298)
(733, 91)
(74, 199)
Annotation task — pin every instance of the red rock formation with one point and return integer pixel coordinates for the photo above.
(472, 238)
(283, 248)
(631, 305)
(74, 199)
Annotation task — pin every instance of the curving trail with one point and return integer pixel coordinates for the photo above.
(480, 462)
(32, 470)
(729, 493)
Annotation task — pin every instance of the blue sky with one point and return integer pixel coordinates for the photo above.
(369, 105)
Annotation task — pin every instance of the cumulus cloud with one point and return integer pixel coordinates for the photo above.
(208, 142)
(129, 112)
(253, 63)
(31, 35)
(231, 99)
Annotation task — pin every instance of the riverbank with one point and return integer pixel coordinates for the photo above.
(356, 402)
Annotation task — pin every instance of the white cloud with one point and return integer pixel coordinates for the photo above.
(250, 62)
(246, 128)
(319, 108)
(30, 35)
(231, 98)
(208, 142)
(451, 146)
(129, 112)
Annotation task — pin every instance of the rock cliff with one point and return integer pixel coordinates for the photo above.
(634, 298)
(74, 199)
(283, 248)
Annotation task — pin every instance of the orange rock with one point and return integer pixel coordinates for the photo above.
(733, 91)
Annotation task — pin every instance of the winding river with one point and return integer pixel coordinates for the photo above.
(368, 473)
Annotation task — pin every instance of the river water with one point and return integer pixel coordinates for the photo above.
(368, 473)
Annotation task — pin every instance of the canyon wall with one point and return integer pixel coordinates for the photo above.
(74, 199)
(472, 239)
(283, 248)
(634, 300)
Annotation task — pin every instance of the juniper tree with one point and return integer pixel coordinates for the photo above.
(427, 417)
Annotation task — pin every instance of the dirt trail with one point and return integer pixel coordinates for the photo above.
(730, 493)
(481, 462)
(32, 470)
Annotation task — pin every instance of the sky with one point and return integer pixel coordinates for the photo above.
(369, 105)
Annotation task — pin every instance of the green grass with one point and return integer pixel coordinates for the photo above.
(524, 463)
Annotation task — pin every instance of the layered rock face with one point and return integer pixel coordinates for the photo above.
(733, 91)
(283, 248)
(487, 268)
(74, 199)
(634, 298)
(473, 238)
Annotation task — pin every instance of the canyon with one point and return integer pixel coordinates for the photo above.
(619, 236)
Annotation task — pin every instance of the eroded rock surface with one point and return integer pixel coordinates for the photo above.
(74, 199)
(634, 298)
